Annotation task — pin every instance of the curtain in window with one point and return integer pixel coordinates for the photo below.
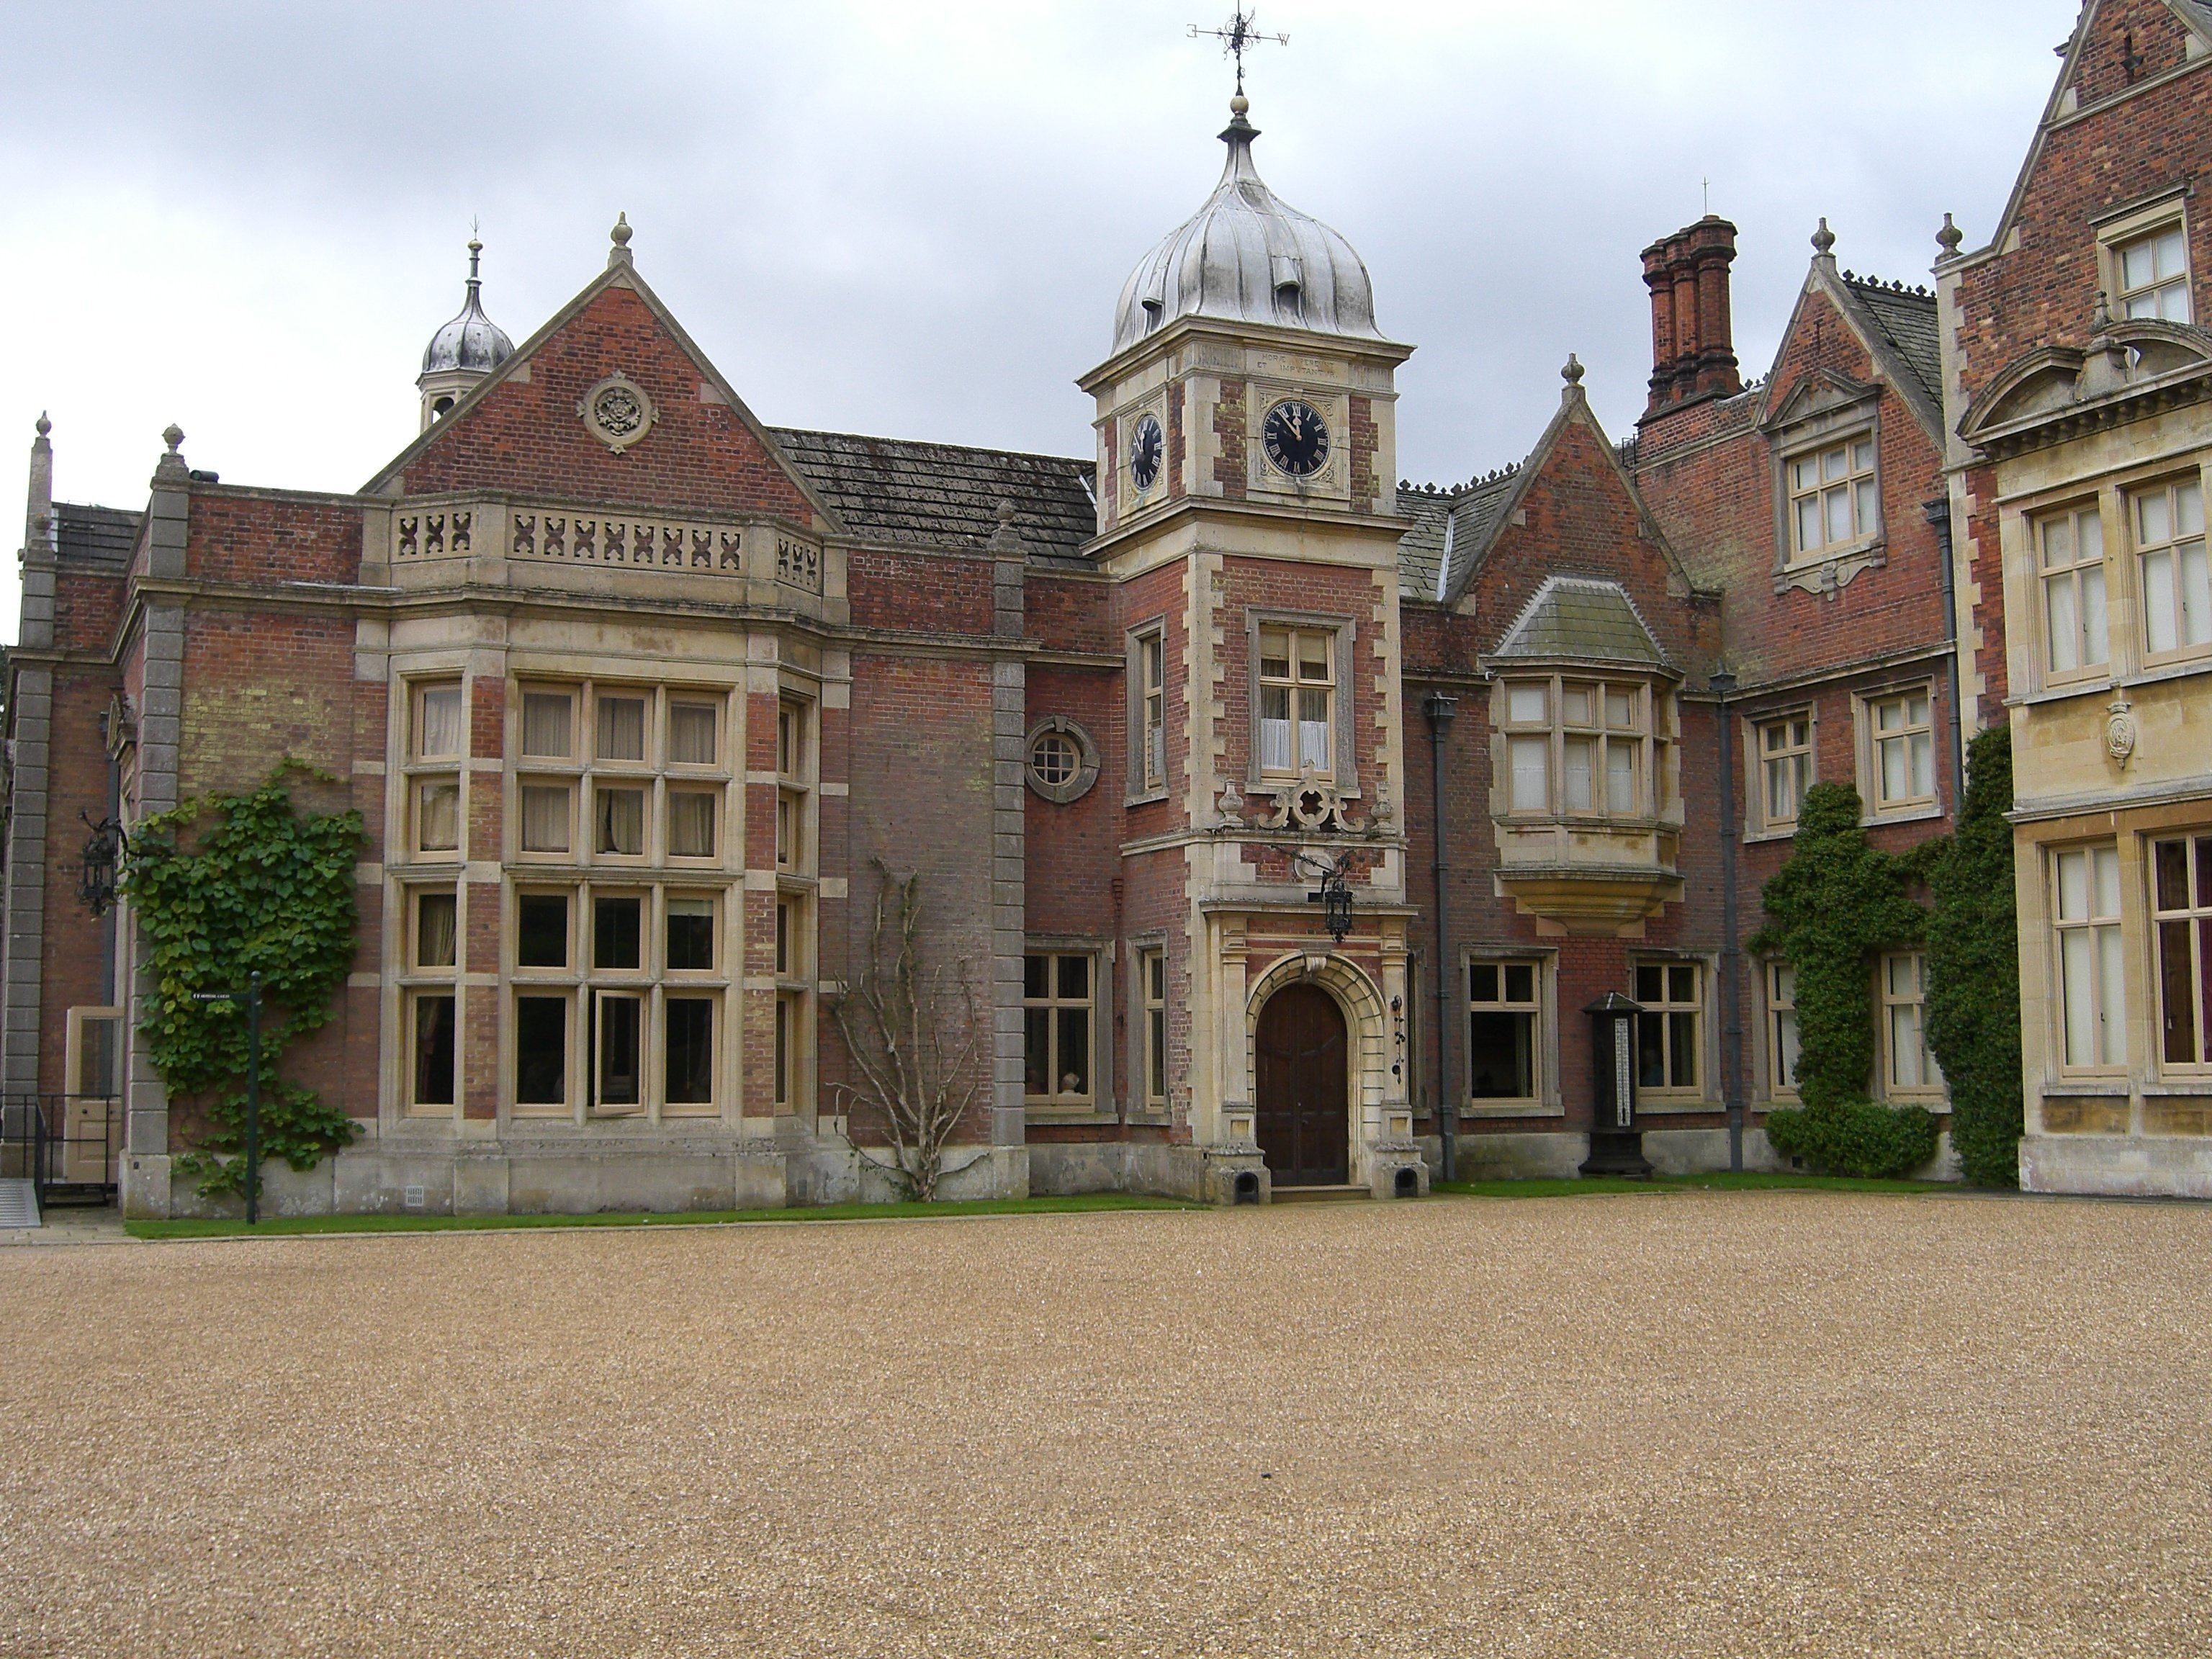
(545, 819)
(442, 721)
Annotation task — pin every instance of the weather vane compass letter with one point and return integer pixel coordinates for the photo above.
(1237, 36)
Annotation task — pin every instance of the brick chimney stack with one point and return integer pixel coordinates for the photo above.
(1692, 329)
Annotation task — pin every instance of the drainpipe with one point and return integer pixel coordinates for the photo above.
(1442, 711)
(1722, 682)
(1938, 515)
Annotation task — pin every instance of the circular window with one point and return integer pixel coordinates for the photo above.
(1063, 762)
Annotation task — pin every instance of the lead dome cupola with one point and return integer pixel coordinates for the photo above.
(1248, 256)
(463, 351)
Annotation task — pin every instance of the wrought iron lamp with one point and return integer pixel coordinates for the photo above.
(102, 859)
(1334, 895)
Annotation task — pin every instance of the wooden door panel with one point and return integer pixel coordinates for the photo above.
(1303, 1118)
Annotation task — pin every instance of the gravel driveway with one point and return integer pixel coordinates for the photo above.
(1747, 1424)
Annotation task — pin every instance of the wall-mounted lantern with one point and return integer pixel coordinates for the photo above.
(1616, 1132)
(1334, 895)
(102, 860)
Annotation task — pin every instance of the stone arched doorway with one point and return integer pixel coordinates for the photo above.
(1302, 1114)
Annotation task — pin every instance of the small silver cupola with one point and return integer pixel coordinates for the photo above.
(463, 351)
(1248, 256)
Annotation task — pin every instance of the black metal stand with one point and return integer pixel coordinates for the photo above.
(1616, 1152)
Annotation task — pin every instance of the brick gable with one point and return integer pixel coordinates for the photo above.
(522, 432)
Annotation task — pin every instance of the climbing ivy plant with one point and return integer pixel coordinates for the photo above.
(224, 887)
(1973, 970)
(1836, 902)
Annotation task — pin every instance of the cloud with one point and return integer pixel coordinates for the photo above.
(248, 218)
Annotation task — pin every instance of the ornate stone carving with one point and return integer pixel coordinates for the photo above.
(617, 412)
(799, 563)
(2120, 733)
(1312, 803)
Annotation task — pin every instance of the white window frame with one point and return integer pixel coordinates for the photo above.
(1342, 772)
(1147, 650)
(1855, 484)
(1501, 1001)
(2087, 930)
(1598, 729)
(1873, 737)
(1053, 1004)
(2186, 581)
(1901, 994)
(2079, 584)
(2152, 232)
(1764, 820)
(1667, 1009)
(1778, 981)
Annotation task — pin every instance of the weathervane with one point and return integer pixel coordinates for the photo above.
(1237, 36)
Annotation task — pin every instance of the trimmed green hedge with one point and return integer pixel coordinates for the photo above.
(1854, 1137)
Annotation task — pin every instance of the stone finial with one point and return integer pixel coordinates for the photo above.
(1240, 105)
(172, 435)
(1950, 238)
(42, 425)
(1572, 373)
(170, 472)
(619, 253)
(1824, 239)
(2101, 314)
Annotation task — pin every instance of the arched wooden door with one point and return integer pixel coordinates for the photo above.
(1304, 1126)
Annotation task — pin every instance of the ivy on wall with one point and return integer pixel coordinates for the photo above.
(1973, 970)
(1830, 908)
(223, 888)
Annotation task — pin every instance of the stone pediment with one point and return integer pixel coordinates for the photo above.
(2055, 392)
(1821, 391)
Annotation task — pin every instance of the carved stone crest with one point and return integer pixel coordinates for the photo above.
(617, 412)
(2120, 733)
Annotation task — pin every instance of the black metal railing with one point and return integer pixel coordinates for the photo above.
(68, 1146)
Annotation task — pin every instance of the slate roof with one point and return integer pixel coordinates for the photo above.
(1906, 318)
(1584, 618)
(95, 535)
(1465, 517)
(894, 489)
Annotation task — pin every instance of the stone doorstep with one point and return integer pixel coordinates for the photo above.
(1345, 1195)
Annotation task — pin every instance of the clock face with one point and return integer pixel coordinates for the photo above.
(1295, 438)
(1146, 446)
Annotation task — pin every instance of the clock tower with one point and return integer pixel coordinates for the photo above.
(1247, 463)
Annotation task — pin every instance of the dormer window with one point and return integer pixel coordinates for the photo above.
(1835, 497)
(1289, 274)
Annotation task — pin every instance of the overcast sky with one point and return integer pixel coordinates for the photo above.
(914, 219)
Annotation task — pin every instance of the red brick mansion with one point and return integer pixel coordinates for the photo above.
(1280, 819)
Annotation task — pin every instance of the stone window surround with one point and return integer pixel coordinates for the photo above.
(1756, 825)
(1651, 782)
(581, 770)
(1856, 414)
(1705, 1095)
(1933, 1095)
(2132, 222)
(1867, 759)
(1764, 1055)
(1344, 775)
(2056, 925)
(1100, 1106)
(1548, 1101)
(2130, 663)
(1086, 771)
(1152, 628)
(2075, 511)
(652, 980)
(1141, 1106)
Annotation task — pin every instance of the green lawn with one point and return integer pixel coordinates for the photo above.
(434, 1223)
(1719, 1182)
(438, 1224)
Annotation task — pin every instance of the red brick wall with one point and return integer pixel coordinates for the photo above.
(526, 435)
(74, 959)
(261, 538)
(938, 593)
(1229, 419)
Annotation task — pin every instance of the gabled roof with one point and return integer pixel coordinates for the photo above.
(1448, 528)
(1904, 319)
(1584, 619)
(2195, 14)
(621, 273)
(892, 490)
(1470, 527)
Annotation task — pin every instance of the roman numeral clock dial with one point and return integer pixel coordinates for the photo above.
(1146, 446)
(1295, 438)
